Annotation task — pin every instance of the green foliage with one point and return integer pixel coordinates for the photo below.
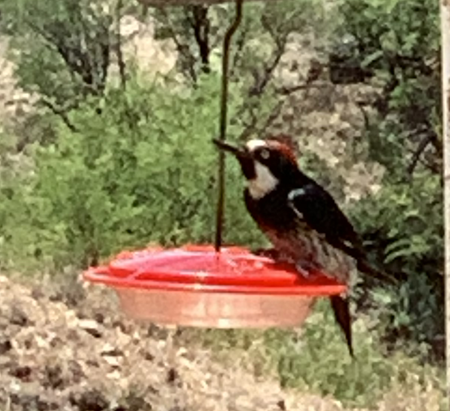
(99, 183)
(198, 32)
(403, 229)
(64, 47)
(397, 44)
(319, 360)
(256, 50)
(398, 212)
(140, 169)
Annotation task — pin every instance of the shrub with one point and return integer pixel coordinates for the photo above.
(403, 228)
(397, 43)
(140, 169)
(63, 48)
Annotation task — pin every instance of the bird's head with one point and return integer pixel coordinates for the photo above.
(265, 163)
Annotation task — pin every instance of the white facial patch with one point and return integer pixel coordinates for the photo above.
(263, 183)
(252, 145)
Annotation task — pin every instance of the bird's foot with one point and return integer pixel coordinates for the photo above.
(305, 268)
(271, 253)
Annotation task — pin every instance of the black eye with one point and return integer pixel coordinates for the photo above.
(264, 153)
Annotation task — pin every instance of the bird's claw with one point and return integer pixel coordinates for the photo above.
(304, 268)
(268, 253)
(300, 270)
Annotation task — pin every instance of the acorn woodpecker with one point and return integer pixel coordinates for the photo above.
(300, 218)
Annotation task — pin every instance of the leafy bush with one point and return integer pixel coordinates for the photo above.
(403, 229)
(63, 49)
(124, 166)
(140, 169)
(397, 43)
(257, 55)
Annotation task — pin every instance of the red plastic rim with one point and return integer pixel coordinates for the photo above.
(199, 268)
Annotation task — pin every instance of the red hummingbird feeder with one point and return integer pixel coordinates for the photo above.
(197, 286)
(213, 286)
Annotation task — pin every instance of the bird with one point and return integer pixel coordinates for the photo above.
(300, 218)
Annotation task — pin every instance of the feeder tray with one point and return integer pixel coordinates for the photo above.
(196, 286)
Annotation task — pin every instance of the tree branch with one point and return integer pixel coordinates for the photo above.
(287, 91)
(238, 48)
(200, 25)
(60, 113)
(417, 153)
(118, 46)
(263, 79)
(181, 49)
(164, 3)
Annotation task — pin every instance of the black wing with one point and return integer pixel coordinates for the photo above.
(318, 209)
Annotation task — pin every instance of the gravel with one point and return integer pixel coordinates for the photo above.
(89, 357)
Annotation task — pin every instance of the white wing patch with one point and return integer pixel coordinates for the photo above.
(295, 193)
(264, 183)
(291, 197)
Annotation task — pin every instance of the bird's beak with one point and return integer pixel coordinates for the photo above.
(243, 156)
(236, 151)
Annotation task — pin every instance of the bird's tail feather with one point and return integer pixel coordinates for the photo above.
(364, 266)
(342, 316)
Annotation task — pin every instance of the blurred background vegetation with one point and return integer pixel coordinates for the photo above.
(101, 152)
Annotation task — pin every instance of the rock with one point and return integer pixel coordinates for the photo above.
(90, 400)
(99, 317)
(5, 346)
(281, 405)
(91, 326)
(53, 377)
(172, 376)
(22, 372)
(76, 372)
(31, 402)
(18, 317)
(37, 293)
(112, 361)
(111, 351)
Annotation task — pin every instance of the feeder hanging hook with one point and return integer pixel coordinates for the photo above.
(223, 120)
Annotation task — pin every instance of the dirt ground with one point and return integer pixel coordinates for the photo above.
(70, 348)
(84, 355)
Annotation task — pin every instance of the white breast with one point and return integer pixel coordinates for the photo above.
(263, 183)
